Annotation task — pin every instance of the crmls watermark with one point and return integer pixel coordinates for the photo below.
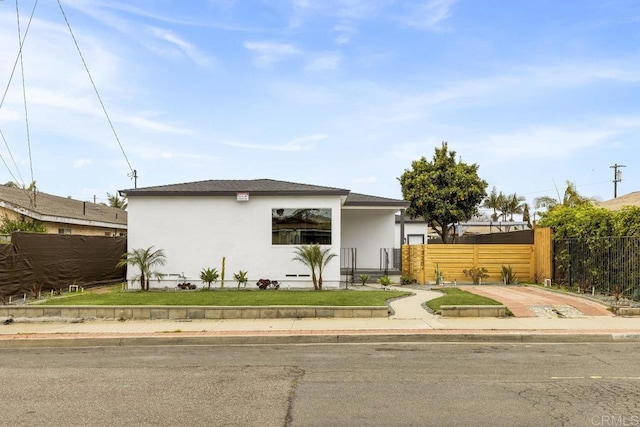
(615, 420)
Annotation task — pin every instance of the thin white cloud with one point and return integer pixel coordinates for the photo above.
(268, 53)
(183, 46)
(154, 125)
(304, 143)
(428, 15)
(545, 142)
(323, 62)
(344, 33)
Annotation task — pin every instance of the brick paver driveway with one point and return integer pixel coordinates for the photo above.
(530, 302)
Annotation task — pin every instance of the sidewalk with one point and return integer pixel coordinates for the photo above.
(410, 323)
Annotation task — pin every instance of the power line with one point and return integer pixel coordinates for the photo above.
(24, 95)
(133, 172)
(6, 90)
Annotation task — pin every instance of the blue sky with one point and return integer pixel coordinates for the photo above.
(343, 93)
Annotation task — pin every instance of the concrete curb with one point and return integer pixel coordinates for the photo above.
(175, 312)
(310, 339)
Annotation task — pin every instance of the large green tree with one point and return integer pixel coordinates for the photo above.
(443, 191)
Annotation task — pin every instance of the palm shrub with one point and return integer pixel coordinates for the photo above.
(385, 281)
(208, 276)
(241, 278)
(316, 259)
(146, 260)
(363, 278)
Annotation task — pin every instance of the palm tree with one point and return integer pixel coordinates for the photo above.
(145, 260)
(116, 202)
(514, 205)
(570, 198)
(493, 201)
(316, 259)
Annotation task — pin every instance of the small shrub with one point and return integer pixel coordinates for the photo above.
(476, 274)
(617, 292)
(363, 278)
(385, 281)
(536, 277)
(241, 278)
(267, 284)
(209, 275)
(508, 275)
(186, 285)
(407, 280)
(636, 295)
(583, 286)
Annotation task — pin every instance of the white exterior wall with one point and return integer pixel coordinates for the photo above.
(195, 232)
(412, 228)
(368, 230)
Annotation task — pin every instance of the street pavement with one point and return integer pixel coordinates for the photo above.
(409, 322)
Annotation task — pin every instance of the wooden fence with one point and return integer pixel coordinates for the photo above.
(529, 261)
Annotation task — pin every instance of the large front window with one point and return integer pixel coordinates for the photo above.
(300, 226)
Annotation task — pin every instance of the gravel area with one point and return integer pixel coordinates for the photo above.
(554, 311)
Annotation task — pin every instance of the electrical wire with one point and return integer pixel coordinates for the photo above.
(4, 95)
(24, 96)
(95, 89)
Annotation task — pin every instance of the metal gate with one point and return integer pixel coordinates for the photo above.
(608, 264)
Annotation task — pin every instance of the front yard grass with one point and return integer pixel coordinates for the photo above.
(232, 298)
(455, 296)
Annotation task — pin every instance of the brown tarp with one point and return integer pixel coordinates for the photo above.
(55, 261)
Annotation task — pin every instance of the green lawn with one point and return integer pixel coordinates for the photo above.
(455, 296)
(232, 298)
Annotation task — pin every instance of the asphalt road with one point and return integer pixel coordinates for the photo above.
(323, 385)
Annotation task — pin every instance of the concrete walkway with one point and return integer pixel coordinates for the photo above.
(411, 307)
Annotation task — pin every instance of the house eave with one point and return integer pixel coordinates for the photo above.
(60, 219)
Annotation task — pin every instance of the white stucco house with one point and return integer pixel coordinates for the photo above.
(256, 225)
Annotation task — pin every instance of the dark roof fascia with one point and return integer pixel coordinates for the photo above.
(141, 192)
(399, 204)
(366, 200)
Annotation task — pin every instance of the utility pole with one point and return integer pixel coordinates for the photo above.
(617, 177)
(134, 175)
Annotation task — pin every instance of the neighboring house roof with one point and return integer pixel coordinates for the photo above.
(631, 199)
(357, 199)
(49, 208)
(262, 187)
